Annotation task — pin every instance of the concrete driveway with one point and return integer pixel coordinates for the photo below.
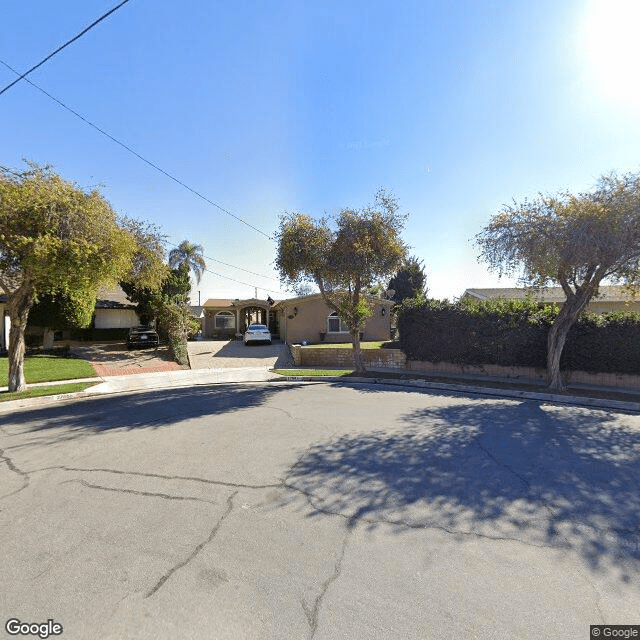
(221, 354)
(320, 511)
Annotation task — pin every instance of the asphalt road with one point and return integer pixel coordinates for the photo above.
(319, 511)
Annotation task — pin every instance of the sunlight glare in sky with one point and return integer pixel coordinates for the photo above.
(614, 47)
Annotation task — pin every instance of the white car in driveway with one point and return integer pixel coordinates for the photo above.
(257, 333)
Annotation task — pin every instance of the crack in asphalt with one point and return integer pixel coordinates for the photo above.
(525, 482)
(423, 525)
(165, 496)
(312, 613)
(196, 551)
(222, 483)
(312, 501)
(597, 598)
(12, 467)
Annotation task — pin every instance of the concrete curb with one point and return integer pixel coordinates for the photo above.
(130, 384)
(125, 385)
(596, 403)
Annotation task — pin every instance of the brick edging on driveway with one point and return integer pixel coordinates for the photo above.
(106, 371)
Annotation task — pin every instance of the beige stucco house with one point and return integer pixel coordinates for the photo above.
(293, 320)
(611, 298)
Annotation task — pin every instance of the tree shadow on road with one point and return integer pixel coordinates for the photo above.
(545, 475)
(147, 409)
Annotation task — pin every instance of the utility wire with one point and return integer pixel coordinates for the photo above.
(226, 264)
(241, 282)
(135, 153)
(66, 44)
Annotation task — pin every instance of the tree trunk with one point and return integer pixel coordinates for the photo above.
(19, 304)
(47, 339)
(558, 336)
(358, 361)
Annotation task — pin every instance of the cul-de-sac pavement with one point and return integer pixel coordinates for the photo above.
(319, 510)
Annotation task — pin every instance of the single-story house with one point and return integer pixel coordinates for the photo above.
(114, 310)
(293, 320)
(610, 298)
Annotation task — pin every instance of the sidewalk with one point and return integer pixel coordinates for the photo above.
(143, 382)
(189, 378)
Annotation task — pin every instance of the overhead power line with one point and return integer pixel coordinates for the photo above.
(135, 153)
(226, 264)
(66, 44)
(248, 284)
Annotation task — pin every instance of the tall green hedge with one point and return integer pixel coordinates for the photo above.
(514, 333)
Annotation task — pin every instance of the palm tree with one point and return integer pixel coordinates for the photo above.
(188, 256)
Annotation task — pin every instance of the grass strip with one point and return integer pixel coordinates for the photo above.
(314, 372)
(46, 368)
(346, 345)
(37, 392)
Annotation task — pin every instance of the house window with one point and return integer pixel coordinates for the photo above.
(335, 324)
(225, 320)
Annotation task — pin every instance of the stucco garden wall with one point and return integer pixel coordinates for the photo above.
(340, 357)
(525, 374)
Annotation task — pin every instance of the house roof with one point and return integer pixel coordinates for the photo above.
(218, 302)
(317, 296)
(547, 294)
(226, 302)
(114, 298)
(106, 299)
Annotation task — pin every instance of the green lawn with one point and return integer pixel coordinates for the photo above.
(42, 368)
(347, 345)
(314, 372)
(54, 389)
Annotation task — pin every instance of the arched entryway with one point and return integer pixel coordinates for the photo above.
(252, 314)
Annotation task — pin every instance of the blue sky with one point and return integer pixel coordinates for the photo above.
(265, 107)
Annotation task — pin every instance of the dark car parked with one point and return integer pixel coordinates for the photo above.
(142, 337)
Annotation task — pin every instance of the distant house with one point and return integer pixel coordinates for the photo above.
(610, 298)
(293, 320)
(114, 310)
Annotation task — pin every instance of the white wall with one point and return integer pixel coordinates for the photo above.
(4, 328)
(116, 319)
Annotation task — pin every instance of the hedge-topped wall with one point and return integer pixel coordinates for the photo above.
(514, 333)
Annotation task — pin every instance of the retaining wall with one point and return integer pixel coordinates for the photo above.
(395, 359)
(328, 357)
(526, 374)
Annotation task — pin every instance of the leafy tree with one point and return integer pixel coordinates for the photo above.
(576, 241)
(343, 259)
(410, 281)
(169, 305)
(190, 255)
(54, 237)
(58, 311)
(147, 268)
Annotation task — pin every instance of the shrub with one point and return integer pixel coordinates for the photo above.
(514, 333)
